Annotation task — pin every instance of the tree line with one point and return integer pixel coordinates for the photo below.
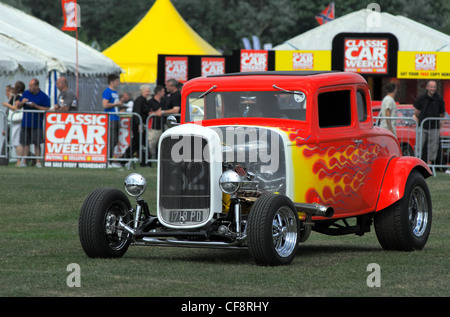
(223, 23)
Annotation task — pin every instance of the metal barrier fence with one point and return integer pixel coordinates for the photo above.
(413, 138)
(129, 136)
(4, 137)
(440, 159)
(125, 140)
(153, 135)
(30, 151)
(138, 141)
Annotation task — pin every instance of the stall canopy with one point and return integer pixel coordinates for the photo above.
(411, 35)
(161, 31)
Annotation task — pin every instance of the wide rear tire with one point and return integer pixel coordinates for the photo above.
(406, 225)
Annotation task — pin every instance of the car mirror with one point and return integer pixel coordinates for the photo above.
(171, 121)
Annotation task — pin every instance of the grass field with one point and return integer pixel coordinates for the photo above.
(39, 211)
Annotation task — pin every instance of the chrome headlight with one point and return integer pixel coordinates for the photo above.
(135, 184)
(229, 182)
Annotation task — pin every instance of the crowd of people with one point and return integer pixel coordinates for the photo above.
(27, 127)
(164, 101)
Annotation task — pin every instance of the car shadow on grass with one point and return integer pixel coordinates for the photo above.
(216, 256)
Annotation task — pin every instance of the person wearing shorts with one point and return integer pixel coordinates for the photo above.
(32, 121)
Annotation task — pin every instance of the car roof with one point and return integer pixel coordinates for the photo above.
(276, 73)
(266, 80)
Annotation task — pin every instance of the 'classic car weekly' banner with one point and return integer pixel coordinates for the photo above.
(424, 65)
(366, 56)
(76, 140)
(303, 60)
(176, 67)
(254, 60)
(213, 66)
(124, 136)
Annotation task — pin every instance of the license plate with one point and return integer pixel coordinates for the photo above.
(186, 216)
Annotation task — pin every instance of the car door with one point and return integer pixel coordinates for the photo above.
(343, 156)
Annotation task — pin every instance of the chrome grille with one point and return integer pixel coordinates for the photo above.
(184, 180)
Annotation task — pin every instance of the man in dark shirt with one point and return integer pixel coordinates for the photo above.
(140, 107)
(155, 130)
(173, 104)
(430, 105)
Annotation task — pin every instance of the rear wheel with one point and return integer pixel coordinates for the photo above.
(406, 225)
(98, 222)
(273, 230)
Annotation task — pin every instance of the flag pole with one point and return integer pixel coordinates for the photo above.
(71, 23)
(76, 41)
(77, 61)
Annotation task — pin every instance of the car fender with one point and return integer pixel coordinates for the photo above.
(395, 177)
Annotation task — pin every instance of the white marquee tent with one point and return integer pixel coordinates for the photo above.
(411, 35)
(30, 43)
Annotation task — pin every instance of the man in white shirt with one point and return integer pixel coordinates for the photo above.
(389, 109)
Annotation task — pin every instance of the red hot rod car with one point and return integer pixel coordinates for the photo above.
(259, 161)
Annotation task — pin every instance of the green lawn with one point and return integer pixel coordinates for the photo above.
(39, 211)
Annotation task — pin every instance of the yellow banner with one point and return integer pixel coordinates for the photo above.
(303, 60)
(423, 65)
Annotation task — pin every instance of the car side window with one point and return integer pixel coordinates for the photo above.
(361, 105)
(334, 109)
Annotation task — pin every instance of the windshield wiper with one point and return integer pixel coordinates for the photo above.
(288, 91)
(206, 92)
(203, 94)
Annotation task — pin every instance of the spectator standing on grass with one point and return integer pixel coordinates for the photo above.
(112, 104)
(3, 141)
(389, 109)
(155, 130)
(430, 105)
(15, 118)
(32, 122)
(141, 107)
(67, 100)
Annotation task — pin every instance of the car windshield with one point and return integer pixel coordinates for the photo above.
(240, 104)
(406, 117)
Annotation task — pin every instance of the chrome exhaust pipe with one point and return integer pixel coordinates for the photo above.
(193, 244)
(315, 209)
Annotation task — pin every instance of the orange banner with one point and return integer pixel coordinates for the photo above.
(69, 8)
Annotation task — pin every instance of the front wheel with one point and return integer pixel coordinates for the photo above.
(406, 225)
(98, 223)
(273, 230)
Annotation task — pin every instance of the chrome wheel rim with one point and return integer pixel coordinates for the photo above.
(284, 232)
(418, 212)
(115, 237)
